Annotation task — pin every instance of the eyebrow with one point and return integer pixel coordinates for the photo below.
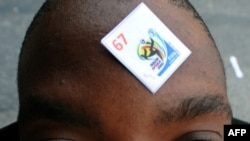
(193, 107)
(38, 107)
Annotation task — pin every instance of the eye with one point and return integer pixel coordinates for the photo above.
(201, 136)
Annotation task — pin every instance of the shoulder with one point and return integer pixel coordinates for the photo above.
(10, 132)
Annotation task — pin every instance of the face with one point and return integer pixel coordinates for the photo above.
(75, 90)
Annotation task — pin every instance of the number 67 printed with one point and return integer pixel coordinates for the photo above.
(119, 42)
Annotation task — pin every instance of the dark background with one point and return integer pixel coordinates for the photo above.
(228, 21)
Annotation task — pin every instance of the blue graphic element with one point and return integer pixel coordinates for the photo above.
(171, 53)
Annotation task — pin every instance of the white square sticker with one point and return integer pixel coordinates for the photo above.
(146, 47)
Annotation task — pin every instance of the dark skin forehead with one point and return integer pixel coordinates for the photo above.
(65, 71)
(73, 37)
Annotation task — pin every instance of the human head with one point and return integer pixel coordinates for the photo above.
(71, 87)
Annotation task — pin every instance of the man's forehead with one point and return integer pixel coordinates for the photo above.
(69, 50)
(69, 45)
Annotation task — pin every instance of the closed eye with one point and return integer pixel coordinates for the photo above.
(200, 136)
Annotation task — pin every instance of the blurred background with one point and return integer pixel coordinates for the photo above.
(227, 20)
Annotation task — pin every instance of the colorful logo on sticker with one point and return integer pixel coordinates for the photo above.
(157, 52)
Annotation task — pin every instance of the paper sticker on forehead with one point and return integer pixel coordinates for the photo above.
(159, 52)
